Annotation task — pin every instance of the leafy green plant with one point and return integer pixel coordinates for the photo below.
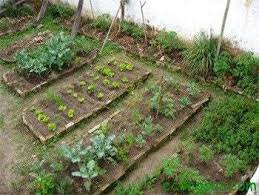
(192, 89)
(52, 126)
(168, 41)
(88, 171)
(100, 95)
(171, 165)
(185, 101)
(81, 99)
(222, 65)
(102, 22)
(91, 88)
(71, 113)
(136, 116)
(149, 128)
(55, 54)
(60, 10)
(102, 147)
(116, 85)
(124, 79)
(122, 154)
(232, 164)
(201, 55)
(140, 141)
(206, 154)
(230, 125)
(125, 67)
(132, 29)
(246, 72)
(105, 71)
(14, 10)
(44, 183)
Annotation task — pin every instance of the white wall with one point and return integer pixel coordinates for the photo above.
(189, 17)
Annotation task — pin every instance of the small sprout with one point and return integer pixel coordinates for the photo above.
(125, 66)
(140, 140)
(107, 82)
(75, 95)
(91, 88)
(124, 79)
(100, 95)
(192, 89)
(43, 118)
(96, 78)
(33, 109)
(81, 99)
(71, 113)
(82, 83)
(52, 127)
(185, 101)
(116, 84)
(105, 71)
(62, 108)
(159, 128)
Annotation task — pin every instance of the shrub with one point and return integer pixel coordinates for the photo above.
(206, 154)
(222, 65)
(13, 10)
(232, 164)
(201, 55)
(60, 10)
(55, 54)
(102, 22)
(246, 72)
(230, 125)
(168, 41)
(171, 165)
(132, 29)
(44, 183)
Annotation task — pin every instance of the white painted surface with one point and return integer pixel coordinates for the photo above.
(189, 17)
(255, 179)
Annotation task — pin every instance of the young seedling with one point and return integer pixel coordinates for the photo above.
(71, 113)
(91, 88)
(125, 67)
(185, 101)
(124, 79)
(62, 108)
(192, 89)
(140, 141)
(52, 127)
(82, 83)
(81, 99)
(100, 95)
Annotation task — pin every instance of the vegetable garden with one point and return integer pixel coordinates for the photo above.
(84, 115)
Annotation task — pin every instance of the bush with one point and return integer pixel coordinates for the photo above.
(132, 29)
(232, 164)
(206, 154)
(55, 54)
(13, 10)
(60, 10)
(230, 126)
(168, 41)
(201, 55)
(246, 72)
(102, 22)
(222, 65)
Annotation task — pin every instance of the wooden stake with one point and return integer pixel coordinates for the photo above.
(122, 4)
(108, 34)
(143, 20)
(77, 18)
(223, 28)
(42, 10)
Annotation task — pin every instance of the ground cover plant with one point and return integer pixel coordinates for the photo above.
(92, 92)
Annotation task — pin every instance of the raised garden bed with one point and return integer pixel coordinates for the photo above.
(23, 85)
(28, 42)
(93, 91)
(14, 25)
(124, 127)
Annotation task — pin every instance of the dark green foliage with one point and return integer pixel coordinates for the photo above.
(168, 41)
(222, 65)
(230, 126)
(206, 154)
(13, 10)
(232, 164)
(171, 165)
(55, 54)
(246, 72)
(132, 29)
(201, 55)
(60, 10)
(44, 183)
(102, 22)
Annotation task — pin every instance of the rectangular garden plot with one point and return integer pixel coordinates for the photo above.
(139, 130)
(28, 42)
(23, 85)
(12, 25)
(93, 91)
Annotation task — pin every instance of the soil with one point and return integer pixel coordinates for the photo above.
(24, 84)
(82, 110)
(28, 42)
(17, 24)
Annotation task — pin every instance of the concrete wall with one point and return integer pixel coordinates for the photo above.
(189, 17)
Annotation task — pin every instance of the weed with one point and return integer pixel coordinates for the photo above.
(102, 22)
(232, 164)
(132, 29)
(206, 154)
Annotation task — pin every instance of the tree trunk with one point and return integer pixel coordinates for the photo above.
(143, 20)
(42, 10)
(77, 18)
(223, 28)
